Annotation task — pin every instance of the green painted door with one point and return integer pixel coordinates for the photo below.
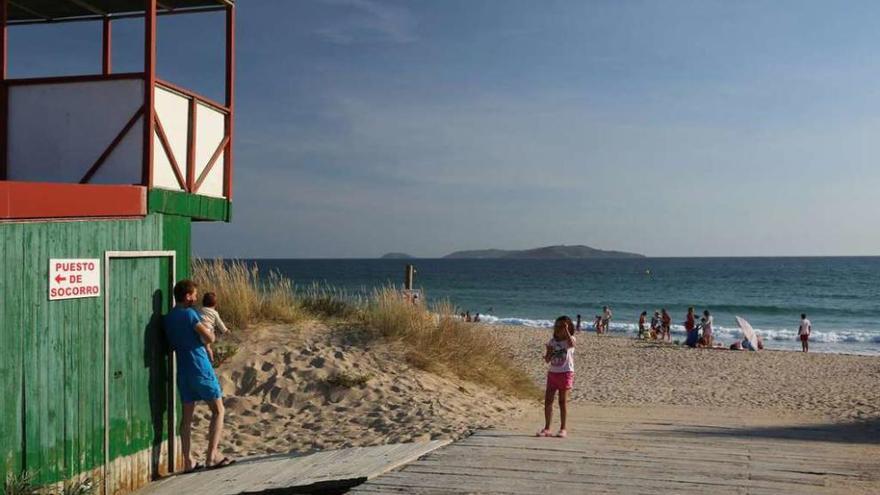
(138, 373)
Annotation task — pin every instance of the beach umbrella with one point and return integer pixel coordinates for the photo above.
(748, 332)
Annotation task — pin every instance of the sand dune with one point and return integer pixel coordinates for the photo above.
(316, 388)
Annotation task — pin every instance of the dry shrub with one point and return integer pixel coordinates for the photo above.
(441, 343)
(243, 297)
(329, 302)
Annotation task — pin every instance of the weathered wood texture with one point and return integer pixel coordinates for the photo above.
(648, 451)
(286, 473)
(52, 353)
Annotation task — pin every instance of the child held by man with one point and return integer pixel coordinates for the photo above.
(211, 319)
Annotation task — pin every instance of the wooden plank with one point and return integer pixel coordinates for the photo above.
(636, 453)
(277, 473)
(11, 334)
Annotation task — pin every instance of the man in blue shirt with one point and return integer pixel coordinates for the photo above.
(196, 380)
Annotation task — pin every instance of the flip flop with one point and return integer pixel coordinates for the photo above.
(225, 462)
(543, 433)
(562, 434)
(198, 467)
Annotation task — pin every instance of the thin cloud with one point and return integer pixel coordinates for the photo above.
(369, 21)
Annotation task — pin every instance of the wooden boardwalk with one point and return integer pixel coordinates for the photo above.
(328, 470)
(622, 450)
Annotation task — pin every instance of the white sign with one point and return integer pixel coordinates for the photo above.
(74, 278)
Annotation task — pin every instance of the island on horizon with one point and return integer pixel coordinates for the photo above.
(546, 252)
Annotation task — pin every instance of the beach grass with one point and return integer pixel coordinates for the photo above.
(436, 340)
(245, 296)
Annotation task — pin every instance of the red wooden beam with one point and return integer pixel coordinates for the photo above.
(230, 100)
(106, 154)
(166, 145)
(42, 200)
(106, 47)
(217, 152)
(29, 81)
(191, 147)
(149, 88)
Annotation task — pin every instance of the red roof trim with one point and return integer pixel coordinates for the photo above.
(43, 200)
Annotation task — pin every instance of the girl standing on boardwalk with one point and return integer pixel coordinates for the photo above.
(560, 377)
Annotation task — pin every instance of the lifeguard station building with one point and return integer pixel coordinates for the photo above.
(101, 176)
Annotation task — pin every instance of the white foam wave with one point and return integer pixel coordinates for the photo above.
(853, 336)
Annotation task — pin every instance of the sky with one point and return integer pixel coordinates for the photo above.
(668, 128)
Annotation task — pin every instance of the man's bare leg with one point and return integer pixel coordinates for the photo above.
(212, 456)
(186, 434)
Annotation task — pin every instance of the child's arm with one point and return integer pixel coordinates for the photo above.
(219, 325)
(547, 354)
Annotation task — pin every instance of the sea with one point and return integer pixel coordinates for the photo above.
(840, 295)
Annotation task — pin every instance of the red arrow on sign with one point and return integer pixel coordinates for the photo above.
(59, 278)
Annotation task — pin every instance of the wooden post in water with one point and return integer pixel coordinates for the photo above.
(408, 277)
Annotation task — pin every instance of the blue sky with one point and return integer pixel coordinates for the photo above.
(670, 128)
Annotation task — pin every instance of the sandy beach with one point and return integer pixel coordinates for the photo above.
(317, 387)
(623, 371)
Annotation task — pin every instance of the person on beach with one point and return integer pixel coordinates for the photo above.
(656, 325)
(211, 319)
(643, 324)
(467, 317)
(196, 380)
(667, 324)
(804, 333)
(577, 326)
(707, 329)
(690, 328)
(597, 324)
(477, 318)
(559, 354)
(606, 318)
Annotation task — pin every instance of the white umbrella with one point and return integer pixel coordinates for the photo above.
(748, 332)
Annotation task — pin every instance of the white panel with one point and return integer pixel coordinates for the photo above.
(120, 168)
(57, 131)
(163, 173)
(210, 129)
(173, 111)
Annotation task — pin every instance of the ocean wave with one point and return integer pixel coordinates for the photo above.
(846, 336)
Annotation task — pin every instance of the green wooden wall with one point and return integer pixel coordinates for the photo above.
(193, 206)
(52, 352)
